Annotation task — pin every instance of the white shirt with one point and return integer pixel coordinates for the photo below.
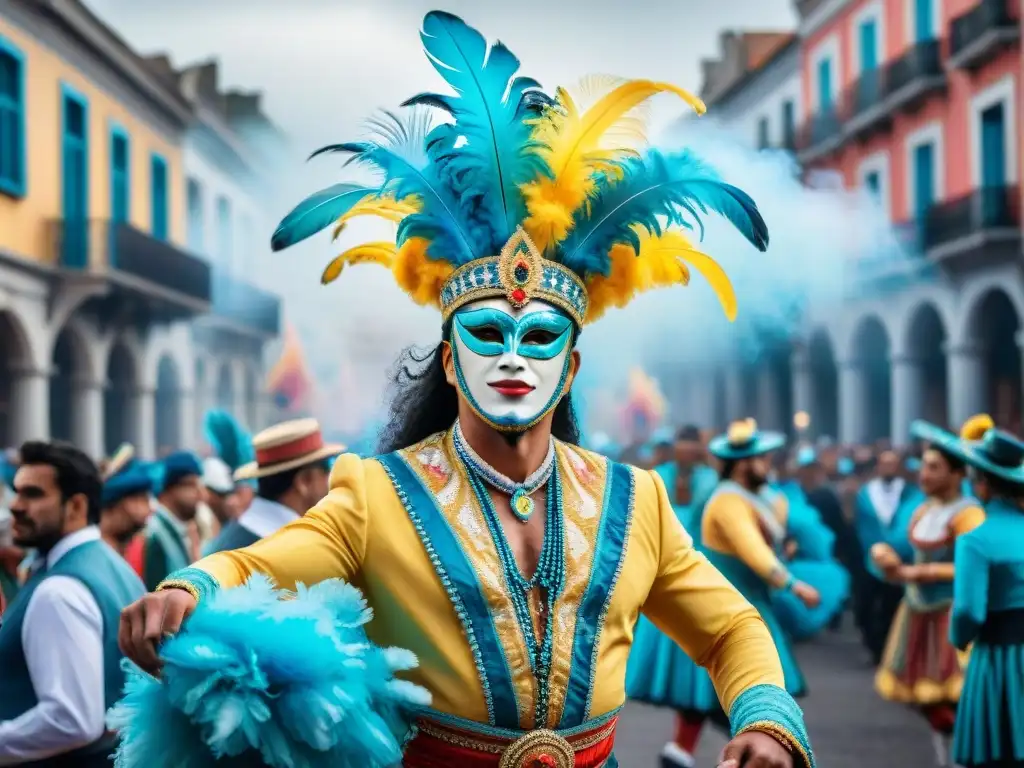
(264, 517)
(885, 497)
(62, 637)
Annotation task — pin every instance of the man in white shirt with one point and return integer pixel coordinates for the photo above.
(58, 641)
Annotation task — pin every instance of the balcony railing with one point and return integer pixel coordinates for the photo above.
(986, 209)
(920, 65)
(111, 248)
(867, 92)
(977, 35)
(246, 304)
(820, 133)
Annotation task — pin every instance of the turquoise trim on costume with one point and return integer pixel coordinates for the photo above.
(610, 550)
(203, 582)
(509, 423)
(493, 731)
(771, 704)
(513, 332)
(460, 582)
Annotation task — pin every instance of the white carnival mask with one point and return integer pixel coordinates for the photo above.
(512, 365)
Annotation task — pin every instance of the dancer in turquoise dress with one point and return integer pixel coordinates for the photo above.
(659, 671)
(988, 610)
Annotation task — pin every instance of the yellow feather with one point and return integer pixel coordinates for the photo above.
(382, 207)
(571, 144)
(662, 261)
(369, 253)
(417, 274)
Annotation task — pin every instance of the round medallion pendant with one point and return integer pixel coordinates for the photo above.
(522, 505)
(539, 749)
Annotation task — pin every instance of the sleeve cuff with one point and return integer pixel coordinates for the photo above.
(771, 710)
(196, 582)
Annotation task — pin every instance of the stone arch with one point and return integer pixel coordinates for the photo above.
(167, 406)
(15, 359)
(119, 411)
(824, 376)
(871, 347)
(72, 375)
(924, 346)
(993, 333)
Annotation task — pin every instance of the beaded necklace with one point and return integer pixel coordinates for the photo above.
(521, 503)
(549, 576)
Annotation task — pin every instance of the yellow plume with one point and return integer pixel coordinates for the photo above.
(975, 427)
(571, 144)
(419, 275)
(662, 261)
(382, 253)
(383, 207)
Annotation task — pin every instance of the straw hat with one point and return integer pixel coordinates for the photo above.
(287, 446)
(744, 440)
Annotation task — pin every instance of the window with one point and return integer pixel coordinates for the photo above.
(924, 20)
(788, 124)
(872, 183)
(993, 147)
(762, 133)
(825, 86)
(158, 182)
(12, 120)
(924, 179)
(868, 45)
(224, 239)
(120, 183)
(196, 219)
(74, 177)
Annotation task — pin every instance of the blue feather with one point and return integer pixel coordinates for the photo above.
(490, 110)
(316, 213)
(672, 186)
(230, 442)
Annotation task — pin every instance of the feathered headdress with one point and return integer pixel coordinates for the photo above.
(229, 441)
(525, 196)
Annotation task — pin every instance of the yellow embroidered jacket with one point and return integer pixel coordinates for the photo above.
(407, 530)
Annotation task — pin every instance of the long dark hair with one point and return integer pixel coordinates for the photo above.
(422, 402)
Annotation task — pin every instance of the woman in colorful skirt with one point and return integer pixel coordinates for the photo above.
(920, 667)
(659, 672)
(988, 610)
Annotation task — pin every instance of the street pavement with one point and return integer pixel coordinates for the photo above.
(850, 726)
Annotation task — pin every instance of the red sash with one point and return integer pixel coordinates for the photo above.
(442, 746)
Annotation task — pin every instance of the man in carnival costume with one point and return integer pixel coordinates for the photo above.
(126, 502)
(742, 534)
(511, 562)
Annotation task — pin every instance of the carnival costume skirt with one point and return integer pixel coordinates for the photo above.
(990, 719)
(920, 666)
(833, 584)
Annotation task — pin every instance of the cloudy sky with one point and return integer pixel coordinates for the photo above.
(325, 65)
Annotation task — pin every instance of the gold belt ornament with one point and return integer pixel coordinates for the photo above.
(539, 749)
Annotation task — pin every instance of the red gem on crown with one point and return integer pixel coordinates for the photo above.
(518, 295)
(543, 760)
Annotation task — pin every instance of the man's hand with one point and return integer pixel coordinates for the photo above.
(148, 621)
(807, 594)
(754, 749)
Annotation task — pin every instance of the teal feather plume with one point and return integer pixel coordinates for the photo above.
(230, 442)
(678, 188)
(490, 108)
(316, 213)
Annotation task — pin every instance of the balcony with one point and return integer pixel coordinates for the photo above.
(978, 36)
(246, 307)
(866, 98)
(820, 135)
(914, 76)
(982, 228)
(126, 264)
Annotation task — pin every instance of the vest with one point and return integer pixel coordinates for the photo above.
(113, 585)
(232, 536)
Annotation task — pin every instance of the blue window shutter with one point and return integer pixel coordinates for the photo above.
(871, 183)
(924, 178)
(868, 45)
(158, 179)
(196, 223)
(224, 239)
(993, 147)
(13, 180)
(120, 176)
(825, 85)
(75, 178)
(924, 20)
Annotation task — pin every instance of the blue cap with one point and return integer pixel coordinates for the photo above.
(845, 466)
(806, 456)
(177, 466)
(135, 477)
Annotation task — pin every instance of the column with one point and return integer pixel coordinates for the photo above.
(803, 390)
(965, 380)
(143, 410)
(851, 402)
(701, 411)
(906, 386)
(734, 406)
(187, 419)
(769, 411)
(87, 415)
(30, 405)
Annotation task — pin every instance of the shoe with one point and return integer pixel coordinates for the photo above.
(674, 756)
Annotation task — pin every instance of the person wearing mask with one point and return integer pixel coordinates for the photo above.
(741, 536)
(126, 504)
(988, 609)
(61, 667)
(882, 509)
(920, 667)
(169, 543)
(291, 469)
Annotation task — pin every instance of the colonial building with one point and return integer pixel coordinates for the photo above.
(918, 102)
(98, 287)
